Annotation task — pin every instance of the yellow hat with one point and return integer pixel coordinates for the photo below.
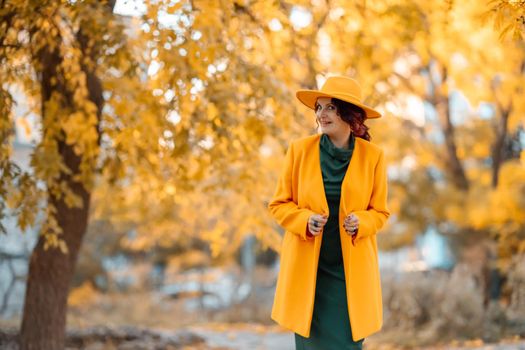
(341, 87)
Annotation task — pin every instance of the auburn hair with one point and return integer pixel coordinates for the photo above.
(353, 115)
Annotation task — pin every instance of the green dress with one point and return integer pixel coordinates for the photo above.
(330, 327)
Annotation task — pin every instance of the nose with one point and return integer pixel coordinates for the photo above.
(322, 116)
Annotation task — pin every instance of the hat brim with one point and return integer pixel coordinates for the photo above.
(308, 98)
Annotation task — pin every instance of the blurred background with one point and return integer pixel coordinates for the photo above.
(175, 117)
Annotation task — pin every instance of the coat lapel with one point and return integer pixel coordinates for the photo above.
(318, 175)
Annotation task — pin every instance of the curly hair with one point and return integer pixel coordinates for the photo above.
(353, 115)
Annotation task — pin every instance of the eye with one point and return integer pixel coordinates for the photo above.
(330, 107)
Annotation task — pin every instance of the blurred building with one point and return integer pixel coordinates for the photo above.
(16, 246)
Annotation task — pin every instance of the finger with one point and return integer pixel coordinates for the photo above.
(322, 218)
(316, 224)
(349, 227)
(352, 217)
(314, 229)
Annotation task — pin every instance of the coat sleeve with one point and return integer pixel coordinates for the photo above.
(373, 219)
(282, 207)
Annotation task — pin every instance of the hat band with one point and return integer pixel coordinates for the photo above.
(344, 95)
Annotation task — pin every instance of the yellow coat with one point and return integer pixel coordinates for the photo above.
(299, 194)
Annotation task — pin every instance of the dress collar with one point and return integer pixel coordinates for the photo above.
(336, 152)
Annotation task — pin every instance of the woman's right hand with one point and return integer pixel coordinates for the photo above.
(316, 223)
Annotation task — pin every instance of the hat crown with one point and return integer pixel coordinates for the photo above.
(343, 86)
(340, 87)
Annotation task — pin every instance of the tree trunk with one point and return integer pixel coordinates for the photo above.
(497, 147)
(50, 272)
(441, 102)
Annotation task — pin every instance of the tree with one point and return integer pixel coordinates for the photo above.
(508, 17)
(88, 74)
(56, 41)
(172, 123)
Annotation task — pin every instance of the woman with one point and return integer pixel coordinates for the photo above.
(331, 199)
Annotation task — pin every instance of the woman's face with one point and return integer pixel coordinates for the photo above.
(329, 121)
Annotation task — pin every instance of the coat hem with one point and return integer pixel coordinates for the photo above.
(291, 328)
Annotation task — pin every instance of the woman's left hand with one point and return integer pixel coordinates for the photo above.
(351, 224)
